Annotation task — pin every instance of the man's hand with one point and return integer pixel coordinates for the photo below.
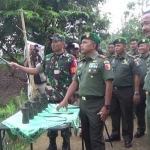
(103, 113)
(136, 99)
(14, 65)
(64, 103)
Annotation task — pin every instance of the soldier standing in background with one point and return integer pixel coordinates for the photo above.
(140, 108)
(126, 90)
(111, 51)
(134, 48)
(59, 68)
(145, 22)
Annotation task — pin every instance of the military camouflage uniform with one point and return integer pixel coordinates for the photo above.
(59, 70)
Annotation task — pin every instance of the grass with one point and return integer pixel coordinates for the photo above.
(5, 112)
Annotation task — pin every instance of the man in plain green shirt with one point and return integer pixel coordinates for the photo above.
(93, 80)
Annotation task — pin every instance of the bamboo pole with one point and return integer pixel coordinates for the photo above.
(31, 77)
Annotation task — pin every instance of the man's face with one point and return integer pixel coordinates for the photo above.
(120, 49)
(145, 22)
(87, 46)
(134, 45)
(57, 45)
(143, 48)
(111, 49)
(74, 51)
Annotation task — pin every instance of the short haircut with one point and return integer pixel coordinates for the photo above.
(146, 12)
(97, 45)
(134, 40)
(111, 43)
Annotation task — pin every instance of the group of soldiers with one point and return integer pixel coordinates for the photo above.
(112, 84)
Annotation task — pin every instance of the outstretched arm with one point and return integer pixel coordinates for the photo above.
(32, 71)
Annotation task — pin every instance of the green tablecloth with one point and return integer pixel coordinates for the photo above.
(43, 121)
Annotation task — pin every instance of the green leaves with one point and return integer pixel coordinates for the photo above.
(46, 17)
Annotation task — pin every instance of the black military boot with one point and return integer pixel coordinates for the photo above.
(52, 145)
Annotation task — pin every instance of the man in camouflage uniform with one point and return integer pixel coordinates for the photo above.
(111, 51)
(145, 22)
(134, 48)
(140, 108)
(59, 68)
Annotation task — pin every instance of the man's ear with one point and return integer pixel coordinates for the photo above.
(94, 45)
(125, 46)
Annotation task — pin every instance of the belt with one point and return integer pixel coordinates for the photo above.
(91, 97)
(121, 87)
(147, 93)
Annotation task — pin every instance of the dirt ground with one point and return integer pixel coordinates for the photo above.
(137, 144)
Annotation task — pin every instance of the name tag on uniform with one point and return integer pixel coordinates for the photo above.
(56, 71)
(93, 65)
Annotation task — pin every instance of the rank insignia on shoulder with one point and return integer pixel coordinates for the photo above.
(106, 61)
(131, 56)
(82, 59)
(102, 56)
(94, 61)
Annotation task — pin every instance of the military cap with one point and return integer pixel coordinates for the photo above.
(143, 41)
(91, 36)
(120, 40)
(58, 37)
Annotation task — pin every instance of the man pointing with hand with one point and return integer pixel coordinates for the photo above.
(93, 80)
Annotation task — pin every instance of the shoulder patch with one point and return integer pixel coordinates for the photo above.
(102, 56)
(136, 62)
(82, 59)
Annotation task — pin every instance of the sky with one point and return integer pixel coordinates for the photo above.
(117, 9)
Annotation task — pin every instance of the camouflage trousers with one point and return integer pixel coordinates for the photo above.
(148, 117)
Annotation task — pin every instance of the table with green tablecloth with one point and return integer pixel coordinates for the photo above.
(48, 119)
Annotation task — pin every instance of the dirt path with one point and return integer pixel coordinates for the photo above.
(138, 144)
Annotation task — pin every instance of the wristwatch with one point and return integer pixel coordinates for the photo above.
(107, 107)
(136, 93)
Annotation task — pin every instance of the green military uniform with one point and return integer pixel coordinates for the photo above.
(147, 89)
(124, 67)
(92, 72)
(59, 69)
(111, 57)
(140, 109)
(134, 54)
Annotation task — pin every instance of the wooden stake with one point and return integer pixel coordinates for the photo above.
(31, 77)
